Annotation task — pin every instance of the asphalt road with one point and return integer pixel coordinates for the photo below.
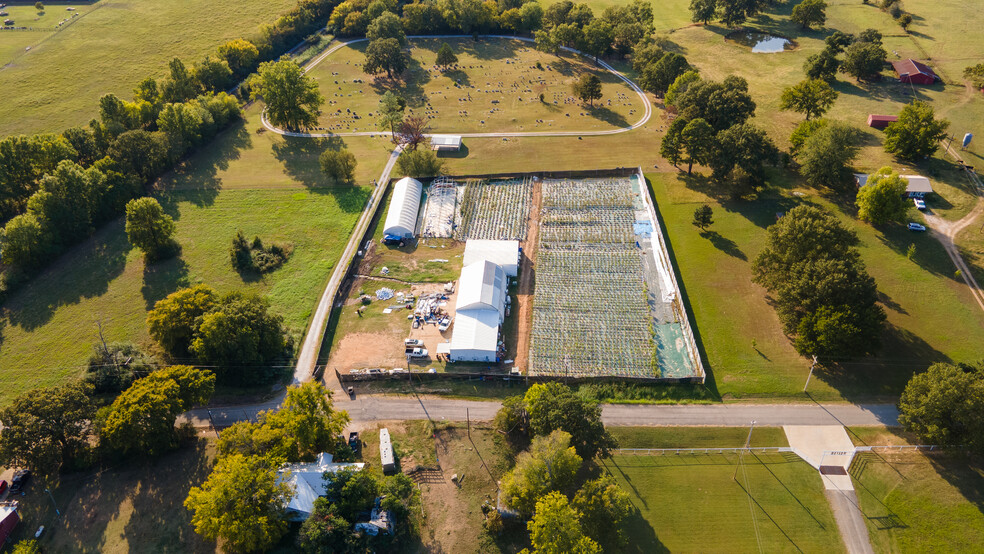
(366, 409)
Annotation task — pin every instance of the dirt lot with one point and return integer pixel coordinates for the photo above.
(376, 338)
(524, 292)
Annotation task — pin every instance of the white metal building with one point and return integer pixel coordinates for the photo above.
(503, 253)
(446, 143)
(482, 286)
(401, 219)
(308, 482)
(916, 186)
(386, 458)
(476, 336)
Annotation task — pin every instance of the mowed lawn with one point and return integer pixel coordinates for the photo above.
(691, 503)
(931, 315)
(57, 84)
(921, 502)
(261, 184)
(495, 87)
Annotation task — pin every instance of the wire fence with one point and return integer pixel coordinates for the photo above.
(691, 451)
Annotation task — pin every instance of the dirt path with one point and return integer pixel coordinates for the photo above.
(524, 294)
(946, 232)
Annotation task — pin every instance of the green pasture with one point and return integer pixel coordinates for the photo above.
(57, 84)
(917, 502)
(495, 88)
(692, 503)
(931, 315)
(40, 27)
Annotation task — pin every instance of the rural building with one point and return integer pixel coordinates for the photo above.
(308, 482)
(446, 143)
(917, 187)
(479, 311)
(9, 518)
(503, 253)
(881, 121)
(401, 219)
(380, 521)
(482, 286)
(386, 457)
(911, 71)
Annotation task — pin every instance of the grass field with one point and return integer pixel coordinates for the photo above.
(40, 26)
(134, 507)
(921, 503)
(57, 84)
(690, 503)
(931, 316)
(49, 326)
(495, 88)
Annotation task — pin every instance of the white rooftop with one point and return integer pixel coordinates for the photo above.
(916, 183)
(453, 141)
(307, 480)
(482, 285)
(503, 253)
(476, 335)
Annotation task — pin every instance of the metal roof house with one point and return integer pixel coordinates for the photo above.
(446, 143)
(401, 219)
(308, 482)
(9, 518)
(911, 71)
(503, 253)
(917, 186)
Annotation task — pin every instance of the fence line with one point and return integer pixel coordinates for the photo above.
(899, 448)
(685, 451)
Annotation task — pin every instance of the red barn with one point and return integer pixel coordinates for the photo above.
(8, 520)
(881, 121)
(911, 71)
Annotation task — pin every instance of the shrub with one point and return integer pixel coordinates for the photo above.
(253, 256)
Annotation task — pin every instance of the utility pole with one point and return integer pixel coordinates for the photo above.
(468, 419)
(53, 501)
(748, 441)
(811, 373)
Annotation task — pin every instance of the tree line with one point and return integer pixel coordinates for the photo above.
(56, 189)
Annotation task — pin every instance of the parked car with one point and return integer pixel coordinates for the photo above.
(916, 227)
(21, 477)
(413, 342)
(354, 442)
(444, 324)
(374, 371)
(417, 353)
(920, 203)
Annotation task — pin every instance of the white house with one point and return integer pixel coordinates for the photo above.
(916, 186)
(503, 253)
(401, 219)
(308, 482)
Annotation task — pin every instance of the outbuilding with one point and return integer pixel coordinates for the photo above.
(9, 518)
(503, 253)
(401, 219)
(482, 286)
(386, 457)
(881, 121)
(446, 143)
(916, 186)
(475, 337)
(911, 71)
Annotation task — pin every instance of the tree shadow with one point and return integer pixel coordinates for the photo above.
(409, 85)
(162, 278)
(887, 301)
(300, 157)
(724, 244)
(455, 155)
(197, 177)
(84, 271)
(487, 48)
(929, 253)
(608, 115)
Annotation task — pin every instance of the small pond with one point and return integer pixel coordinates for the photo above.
(762, 43)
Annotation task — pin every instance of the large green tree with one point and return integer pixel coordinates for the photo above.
(864, 60)
(882, 199)
(740, 158)
(554, 406)
(975, 74)
(810, 98)
(387, 25)
(555, 528)
(703, 11)
(826, 155)
(241, 503)
(47, 428)
(419, 163)
(698, 141)
(141, 419)
(809, 13)
(148, 227)
(26, 242)
(551, 464)
(391, 108)
(722, 104)
(338, 165)
(292, 98)
(823, 65)
(659, 75)
(446, 56)
(172, 320)
(387, 55)
(945, 405)
(604, 507)
(67, 199)
(240, 54)
(23, 161)
(916, 134)
(587, 88)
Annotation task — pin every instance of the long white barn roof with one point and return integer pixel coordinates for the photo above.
(503, 253)
(482, 286)
(401, 219)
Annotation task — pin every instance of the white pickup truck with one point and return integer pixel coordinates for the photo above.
(416, 352)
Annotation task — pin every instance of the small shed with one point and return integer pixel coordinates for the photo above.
(881, 121)
(401, 219)
(911, 71)
(446, 143)
(503, 253)
(386, 457)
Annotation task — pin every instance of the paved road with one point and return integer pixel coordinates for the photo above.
(366, 409)
(307, 356)
(647, 111)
